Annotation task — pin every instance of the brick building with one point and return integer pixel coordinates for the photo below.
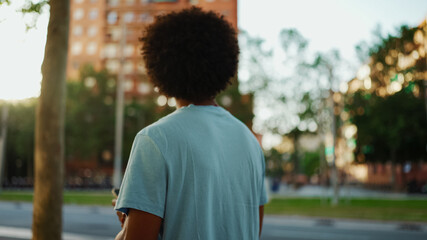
(105, 33)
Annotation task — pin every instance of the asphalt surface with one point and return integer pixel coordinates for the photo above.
(93, 223)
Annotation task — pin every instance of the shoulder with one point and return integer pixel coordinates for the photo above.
(154, 134)
(157, 131)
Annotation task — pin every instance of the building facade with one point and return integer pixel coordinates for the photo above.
(104, 33)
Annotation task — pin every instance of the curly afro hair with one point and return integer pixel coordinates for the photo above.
(191, 54)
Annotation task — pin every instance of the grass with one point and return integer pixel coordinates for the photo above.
(102, 198)
(370, 209)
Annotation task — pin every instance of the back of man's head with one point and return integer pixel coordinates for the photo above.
(191, 54)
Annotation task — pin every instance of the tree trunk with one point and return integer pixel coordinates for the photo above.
(296, 169)
(49, 132)
(393, 169)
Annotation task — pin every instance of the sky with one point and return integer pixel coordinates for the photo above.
(21, 53)
(326, 24)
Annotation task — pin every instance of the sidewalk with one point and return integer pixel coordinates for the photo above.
(345, 192)
(309, 228)
(344, 224)
(25, 233)
(79, 222)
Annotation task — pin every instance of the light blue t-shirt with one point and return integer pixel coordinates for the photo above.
(202, 171)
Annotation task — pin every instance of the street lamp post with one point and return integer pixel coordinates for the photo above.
(334, 173)
(118, 140)
(5, 114)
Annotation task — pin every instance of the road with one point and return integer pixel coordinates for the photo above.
(96, 223)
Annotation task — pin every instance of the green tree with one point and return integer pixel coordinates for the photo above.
(139, 113)
(274, 164)
(311, 163)
(389, 113)
(391, 128)
(90, 115)
(297, 99)
(240, 105)
(20, 141)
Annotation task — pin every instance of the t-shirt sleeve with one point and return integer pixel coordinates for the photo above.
(145, 181)
(264, 198)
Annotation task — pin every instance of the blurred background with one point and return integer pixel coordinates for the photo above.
(335, 92)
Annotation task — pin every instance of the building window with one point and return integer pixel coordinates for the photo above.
(143, 2)
(144, 88)
(128, 85)
(93, 1)
(225, 13)
(78, 1)
(78, 30)
(115, 34)
(110, 51)
(112, 66)
(128, 67)
(141, 68)
(78, 14)
(161, 12)
(209, 0)
(112, 17)
(128, 17)
(93, 14)
(129, 50)
(113, 2)
(92, 30)
(76, 48)
(91, 48)
(145, 17)
(130, 2)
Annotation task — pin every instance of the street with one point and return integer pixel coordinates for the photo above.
(95, 223)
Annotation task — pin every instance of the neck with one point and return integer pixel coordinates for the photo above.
(183, 103)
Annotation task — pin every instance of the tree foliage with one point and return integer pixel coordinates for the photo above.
(89, 123)
(20, 141)
(397, 54)
(91, 117)
(389, 125)
(390, 114)
(274, 164)
(34, 7)
(296, 99)
(238, 104)
(4, 2)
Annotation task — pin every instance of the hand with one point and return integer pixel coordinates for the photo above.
(120, 215)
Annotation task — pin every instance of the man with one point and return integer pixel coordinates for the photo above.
(197, 173)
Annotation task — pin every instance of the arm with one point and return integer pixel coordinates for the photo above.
(261, 218)
(144, 187)
(140, 225)
(120, 215)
